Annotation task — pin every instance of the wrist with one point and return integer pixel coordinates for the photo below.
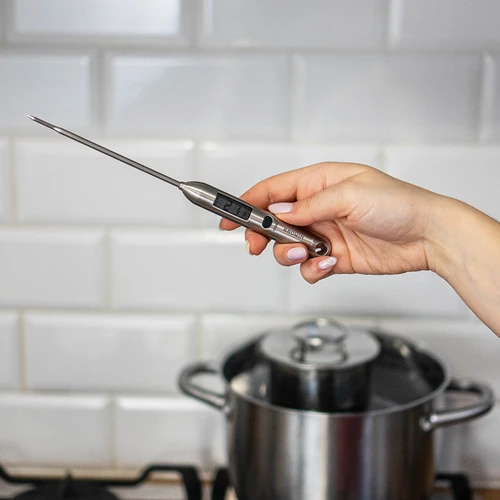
(445, 218)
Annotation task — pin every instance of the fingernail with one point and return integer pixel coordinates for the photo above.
(327, 263)
(297, 253)
(280, 208)
(247, 246)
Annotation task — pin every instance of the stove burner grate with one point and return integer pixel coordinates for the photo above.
(67, 489)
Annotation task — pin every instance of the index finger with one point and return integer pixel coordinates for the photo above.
(293, 185)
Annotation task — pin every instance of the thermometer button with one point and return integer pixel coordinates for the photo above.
(267, 222)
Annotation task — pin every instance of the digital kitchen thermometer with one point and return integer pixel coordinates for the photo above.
(220, 203)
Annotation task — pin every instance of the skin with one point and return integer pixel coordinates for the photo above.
(381, 225)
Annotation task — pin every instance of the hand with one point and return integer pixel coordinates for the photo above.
(376, 224)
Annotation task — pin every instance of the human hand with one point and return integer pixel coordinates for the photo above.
(376, 224)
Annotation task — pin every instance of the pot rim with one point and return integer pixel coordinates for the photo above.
(420, 346)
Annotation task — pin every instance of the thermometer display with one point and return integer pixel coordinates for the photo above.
(232, 206)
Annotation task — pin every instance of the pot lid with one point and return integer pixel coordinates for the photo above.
(322, 343)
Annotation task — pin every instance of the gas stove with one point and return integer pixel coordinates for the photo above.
(30, 487)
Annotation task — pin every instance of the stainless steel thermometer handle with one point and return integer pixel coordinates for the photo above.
(256, 219)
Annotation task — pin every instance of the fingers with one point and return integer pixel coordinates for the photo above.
(255, 243)
(312, 270)
(296, 184)
(330, 204)
(316, 269)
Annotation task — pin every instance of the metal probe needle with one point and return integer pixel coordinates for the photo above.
(107, 151)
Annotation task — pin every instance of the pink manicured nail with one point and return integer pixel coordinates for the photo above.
(297, 253)
(327, 263)
(280, 208)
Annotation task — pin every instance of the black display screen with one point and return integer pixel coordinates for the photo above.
(232, 206)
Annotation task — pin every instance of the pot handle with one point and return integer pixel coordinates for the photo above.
(207, 396)
(441, 418)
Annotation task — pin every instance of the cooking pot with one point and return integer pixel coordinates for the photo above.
(384, 452)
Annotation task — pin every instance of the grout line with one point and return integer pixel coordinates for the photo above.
(107, 273)
(291, 111)
(13, 178)
(22, 352)
(98, 104)
(393, 20)
(486, 96)
(113, 430)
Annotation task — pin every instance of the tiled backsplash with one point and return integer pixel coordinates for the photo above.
(110, 281)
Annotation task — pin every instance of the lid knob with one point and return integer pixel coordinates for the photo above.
(317, 335)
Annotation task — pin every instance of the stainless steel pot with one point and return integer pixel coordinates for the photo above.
(383, 453)
(320, 365)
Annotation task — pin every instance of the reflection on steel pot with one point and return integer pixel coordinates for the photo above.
(382, 453)
(320, 365)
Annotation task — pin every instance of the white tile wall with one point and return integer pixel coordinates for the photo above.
(294, 23)
(185, 271)
(386, 97)
(147, 431)
(413, 294)
(65, 182)
(438, 24)
(235, 167)
(108, 287)
(56, 86)
(239, 97)
(107, 353)
(9, 350)
(55, 430)
(470, 174)
(98, 21)
(51, 267)
(221, 332)
(5, 179)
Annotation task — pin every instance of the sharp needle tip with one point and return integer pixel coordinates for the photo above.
(31, 117)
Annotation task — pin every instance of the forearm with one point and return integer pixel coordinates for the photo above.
(464, 248)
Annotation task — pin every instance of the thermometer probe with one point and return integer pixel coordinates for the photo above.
(217, 201)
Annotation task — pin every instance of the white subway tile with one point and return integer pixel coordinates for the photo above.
(98, 21)
(64, 182)
(205, 271)
(470, 349)
(393, 97)
(294, 23)
(54, 430)
(55, 86)
(221, 333)
(490, 127)
(470, 174)
(480, 456)
(161, 430)
(198, 96)
(236, 167)
(51, 267)
(126, 353)
(5, 186)
(9, 351)
(471, 447)
(415, 294)
(437, 24)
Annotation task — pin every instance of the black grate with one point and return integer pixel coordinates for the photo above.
(71, 489)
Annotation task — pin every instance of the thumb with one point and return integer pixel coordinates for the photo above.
(325, 205)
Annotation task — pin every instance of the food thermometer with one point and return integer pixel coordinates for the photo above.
(217, 201)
